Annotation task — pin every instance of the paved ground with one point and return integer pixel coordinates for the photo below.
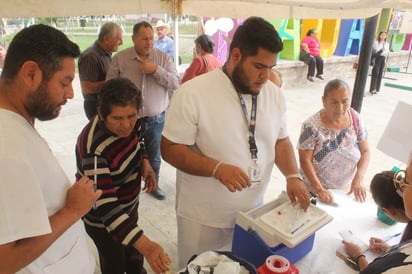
(158, 217)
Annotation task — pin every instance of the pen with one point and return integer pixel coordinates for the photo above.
(95, 178)
(388, 238)
(391, 237)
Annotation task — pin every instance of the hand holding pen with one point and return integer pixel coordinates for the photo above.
(378, 245)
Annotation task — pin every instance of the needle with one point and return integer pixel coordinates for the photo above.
(299, 226)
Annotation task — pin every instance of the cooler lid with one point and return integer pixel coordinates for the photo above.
(280, 221)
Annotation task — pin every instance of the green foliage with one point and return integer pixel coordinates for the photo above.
(84, 41)
(47, 20)
(85, 36)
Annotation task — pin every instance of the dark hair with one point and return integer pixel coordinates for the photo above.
(385, 196)
(333, 85)
(205, 42)
(310, 32)
(253, 34)
(142, 24)
(42, 44)
(379, 35)
(108, 29)
(384, 192)
(118, 92)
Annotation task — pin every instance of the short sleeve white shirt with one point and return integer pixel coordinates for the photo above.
(206, 114)
(32, 188)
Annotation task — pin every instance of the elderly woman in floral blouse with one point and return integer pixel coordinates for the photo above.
(333, 146)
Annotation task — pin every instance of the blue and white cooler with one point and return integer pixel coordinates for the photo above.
(277, 228)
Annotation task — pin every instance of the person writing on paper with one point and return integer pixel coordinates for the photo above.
(109, 148)
(333, 146)
(386, 192)
(203, 59)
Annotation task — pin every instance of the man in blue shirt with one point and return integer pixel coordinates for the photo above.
(164, 42)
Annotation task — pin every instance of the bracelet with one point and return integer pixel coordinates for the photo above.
(294, 175)
(215, 169)
(357, 258)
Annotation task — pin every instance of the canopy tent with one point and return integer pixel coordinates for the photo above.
(299, 9)
(216, 8)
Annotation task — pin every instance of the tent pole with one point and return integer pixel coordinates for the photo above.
(364, 60)
(176, 41)
(175, 16)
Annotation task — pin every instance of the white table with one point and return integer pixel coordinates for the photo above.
(361, 218)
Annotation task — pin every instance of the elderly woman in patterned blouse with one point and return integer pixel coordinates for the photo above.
(333, 146)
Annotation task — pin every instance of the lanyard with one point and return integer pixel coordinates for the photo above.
(252, 122)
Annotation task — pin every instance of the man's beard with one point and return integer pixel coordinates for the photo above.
(39, 105)
(239, 78)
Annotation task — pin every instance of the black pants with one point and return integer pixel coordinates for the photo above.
(90, 105)
(90, 108)
(114, 257)
(315, 62)
(377, 73)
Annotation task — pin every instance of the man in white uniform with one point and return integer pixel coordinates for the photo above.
(224, 131)
(40, 209)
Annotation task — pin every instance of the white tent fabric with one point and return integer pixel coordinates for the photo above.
(216, 8)
(62, 8)
(290, 8)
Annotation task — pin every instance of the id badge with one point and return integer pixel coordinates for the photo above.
(255, 173)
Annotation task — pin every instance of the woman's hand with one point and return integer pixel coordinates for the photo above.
(148, 176)
(157, 258)
(352, 249)
(378, 245)
(358, 189)
(355, 252)
(325, 196)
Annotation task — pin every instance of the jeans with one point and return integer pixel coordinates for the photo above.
(152, 128)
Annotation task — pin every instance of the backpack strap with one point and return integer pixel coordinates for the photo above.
(206, 63)
(355, 121)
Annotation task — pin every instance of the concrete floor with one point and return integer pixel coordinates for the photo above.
(157, 218)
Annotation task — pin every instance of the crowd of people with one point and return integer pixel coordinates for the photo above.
(131, 126)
